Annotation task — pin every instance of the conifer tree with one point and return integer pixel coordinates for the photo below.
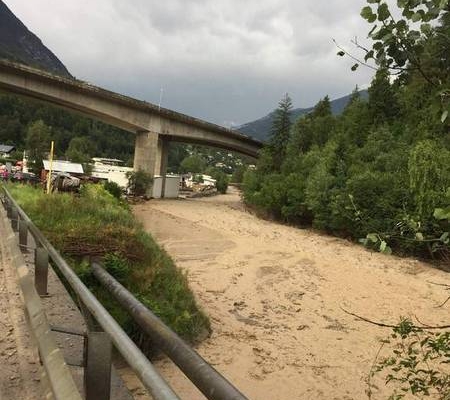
(322, 108)
(383, 105)
(280, 132)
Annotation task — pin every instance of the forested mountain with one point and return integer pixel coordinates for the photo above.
(261, 128)
(379, 171)
(18, 44)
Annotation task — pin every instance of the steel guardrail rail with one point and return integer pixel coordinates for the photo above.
(140, 364)
(207, 379)
(58, 377)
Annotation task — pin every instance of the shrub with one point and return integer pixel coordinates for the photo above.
(113, 188)
(139, 182)
(221, 179)
(95, 224)
(238, 174)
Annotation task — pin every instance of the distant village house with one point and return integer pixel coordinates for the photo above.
(6, 150)
(68, 167)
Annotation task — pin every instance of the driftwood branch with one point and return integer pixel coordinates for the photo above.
(382, 324)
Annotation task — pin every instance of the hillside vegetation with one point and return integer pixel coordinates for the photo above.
(97, 225)
(380, 171)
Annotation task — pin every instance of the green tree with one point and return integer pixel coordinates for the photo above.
(429, 177)
(139, 182)
(322, 108)
(37, 144)
(280, 132)
(412, 43)
(193, 163)
(80, 149)
(383, 105)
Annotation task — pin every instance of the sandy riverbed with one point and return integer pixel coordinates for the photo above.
(273, 294)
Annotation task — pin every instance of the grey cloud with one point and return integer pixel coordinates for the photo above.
(221, 60)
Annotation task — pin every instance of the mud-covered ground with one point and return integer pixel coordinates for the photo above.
(274, 295)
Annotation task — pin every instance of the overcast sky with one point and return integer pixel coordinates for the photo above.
(226, 61)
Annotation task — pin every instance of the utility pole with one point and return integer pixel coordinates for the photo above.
(160, 99)
(49, 175)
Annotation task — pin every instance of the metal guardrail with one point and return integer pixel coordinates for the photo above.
(58, 379)
(212, 384)
(156, 385)
(207, 379)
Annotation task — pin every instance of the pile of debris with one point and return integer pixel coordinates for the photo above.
(197, 185)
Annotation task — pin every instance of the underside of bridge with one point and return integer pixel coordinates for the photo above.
(154, 127)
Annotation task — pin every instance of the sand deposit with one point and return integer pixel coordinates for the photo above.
(274, 295)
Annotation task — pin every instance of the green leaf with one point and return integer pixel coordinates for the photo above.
(384, 248)
(368, 14)
(378, 45)
(425, 29)
(341, 53)
(369, 55)
(372, 30)
(373, 237)
(443, 4)
(387, 37)
(401, 3)
(416, 17)
(419, 236)
(355, 67)
(383, 12)
(444, 116)
(444, 237)
(442, 213)
(408, 14)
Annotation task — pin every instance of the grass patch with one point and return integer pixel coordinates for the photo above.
(95, 224)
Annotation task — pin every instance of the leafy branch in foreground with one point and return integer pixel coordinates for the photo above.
(418, 363)
(411, 43)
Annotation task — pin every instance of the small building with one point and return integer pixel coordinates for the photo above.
(6, 150)
(172, 186)
(111, 169)
(71, 168)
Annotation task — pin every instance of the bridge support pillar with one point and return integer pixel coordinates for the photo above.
(151, 154)
(145, 152)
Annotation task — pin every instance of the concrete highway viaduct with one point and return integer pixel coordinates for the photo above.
(155, 127)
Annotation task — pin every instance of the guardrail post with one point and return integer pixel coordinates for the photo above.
(97, 366)
(14, 218)
(8, 209)
(41, 270)
(97, 358)
(23, 233)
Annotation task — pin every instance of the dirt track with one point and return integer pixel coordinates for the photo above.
(274, 293)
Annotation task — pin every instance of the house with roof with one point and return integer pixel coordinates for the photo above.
(68, 167)
(6, 150)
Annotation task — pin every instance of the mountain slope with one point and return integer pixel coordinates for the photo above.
(18, 44)
(260, 128)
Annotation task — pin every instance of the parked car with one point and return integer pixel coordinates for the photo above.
(25, 177)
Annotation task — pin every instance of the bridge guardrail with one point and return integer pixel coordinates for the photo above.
(140, 364)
